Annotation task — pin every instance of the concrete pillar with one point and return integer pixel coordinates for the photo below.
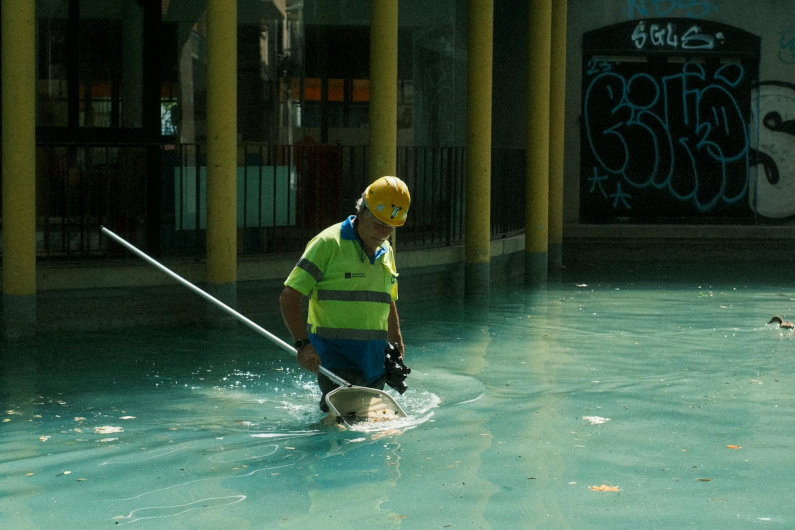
(19, 166)
(557, 108)
(477, 248)
(383, 88)
(222, 149)
(537, 181)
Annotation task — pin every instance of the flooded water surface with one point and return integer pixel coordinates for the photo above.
(583, 404)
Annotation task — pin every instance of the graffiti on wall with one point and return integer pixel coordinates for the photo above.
(773, 123)
(684, 134)
(665, 132)
(669, 8)
(669, 36)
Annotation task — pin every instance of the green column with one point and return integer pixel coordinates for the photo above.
(383, 88)
(222, 148)
(537, 180)
(556, 133)
(19, 166)
(478, 148)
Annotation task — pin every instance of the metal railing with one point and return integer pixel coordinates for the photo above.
(154, 195)
(80, 188)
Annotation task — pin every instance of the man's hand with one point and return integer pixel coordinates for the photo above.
(308, 358)
(290, 303)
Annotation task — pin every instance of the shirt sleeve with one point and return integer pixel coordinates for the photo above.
(309, 269)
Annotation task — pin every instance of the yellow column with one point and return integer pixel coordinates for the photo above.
(383, 87)
(478, 147)
(556, 133)
(537, 181)
(19, 166)
(222, 147)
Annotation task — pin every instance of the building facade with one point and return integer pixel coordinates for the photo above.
(678, 120)
(680, 113)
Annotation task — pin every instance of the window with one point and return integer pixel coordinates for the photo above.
(90, 65)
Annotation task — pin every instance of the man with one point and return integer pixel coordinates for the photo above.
(348, 271)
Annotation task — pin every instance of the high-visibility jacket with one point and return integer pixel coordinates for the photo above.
(350, 295)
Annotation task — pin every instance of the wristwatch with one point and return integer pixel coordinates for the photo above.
(300, 343)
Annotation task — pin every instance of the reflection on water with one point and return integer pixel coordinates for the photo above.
(583, 404)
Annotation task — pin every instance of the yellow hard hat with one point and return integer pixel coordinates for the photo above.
(388, 200)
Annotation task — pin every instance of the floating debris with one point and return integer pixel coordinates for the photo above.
(604, 487)
(595, 420)
(107, 429)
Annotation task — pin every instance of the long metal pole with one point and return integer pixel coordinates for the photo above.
(242, 318)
